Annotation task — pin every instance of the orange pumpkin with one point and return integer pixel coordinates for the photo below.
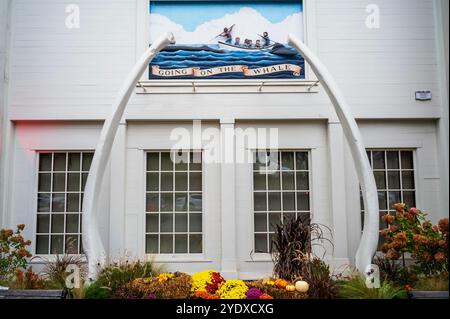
(281, 283)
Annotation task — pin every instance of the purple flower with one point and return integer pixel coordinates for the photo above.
(150, 296)
(253, 293)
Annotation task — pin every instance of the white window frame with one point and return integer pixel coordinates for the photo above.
(415, 171)
(266, 256)
(50, 256)
(173, 257)
(145, 86)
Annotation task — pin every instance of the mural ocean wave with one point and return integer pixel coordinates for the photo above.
(206, 59)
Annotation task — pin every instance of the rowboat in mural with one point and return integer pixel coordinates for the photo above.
(232, 47)
(275, 48)
(223, 47)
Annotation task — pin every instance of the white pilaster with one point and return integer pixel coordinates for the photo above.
(6, 126)
(337, 193)
(228, 207)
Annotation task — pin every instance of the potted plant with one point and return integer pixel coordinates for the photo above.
(409, 232)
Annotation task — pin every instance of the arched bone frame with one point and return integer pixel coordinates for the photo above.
(369, 239)
(92, 242)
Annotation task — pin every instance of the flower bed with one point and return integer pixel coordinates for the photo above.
(208, 284)
(299, 274)
(164, 286)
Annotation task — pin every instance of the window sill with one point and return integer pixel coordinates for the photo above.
(42, 259)
(260, 258)
(167, 259)
(226, 86)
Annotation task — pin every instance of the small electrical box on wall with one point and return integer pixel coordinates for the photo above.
(423, 96)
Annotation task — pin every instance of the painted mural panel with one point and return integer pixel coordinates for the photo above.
(227, 39)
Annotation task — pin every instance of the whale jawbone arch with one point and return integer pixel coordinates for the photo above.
(92, 242)
(369, 240)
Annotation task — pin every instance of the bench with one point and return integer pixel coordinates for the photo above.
(428, 294)
(32, 294)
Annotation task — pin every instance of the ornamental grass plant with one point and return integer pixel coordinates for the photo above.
(356, 288)
(293, 247)
(58, 269)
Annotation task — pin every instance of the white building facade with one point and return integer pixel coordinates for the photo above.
(63, 62)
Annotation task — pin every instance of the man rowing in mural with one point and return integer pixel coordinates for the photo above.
(227, 34)
(266, 39)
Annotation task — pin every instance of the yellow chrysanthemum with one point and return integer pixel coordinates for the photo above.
(165, 277)
(232, 289)
(201, 279)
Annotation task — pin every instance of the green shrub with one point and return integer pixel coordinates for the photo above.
(390, 270)
(393, 271)
(321, 283)
(118, 274)
(96, 291)
(355, 288)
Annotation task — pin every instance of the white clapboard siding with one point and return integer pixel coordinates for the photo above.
(3, 54)
(63, 73)
(56, 69)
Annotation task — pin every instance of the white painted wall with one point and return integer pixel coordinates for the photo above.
(64, 73)
(3, 20)
(64, 80)
(3, 37)
(5, 126)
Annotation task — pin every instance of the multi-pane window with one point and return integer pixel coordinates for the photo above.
(395, 179)
(61, 180)
(174, 203)
(281, 191)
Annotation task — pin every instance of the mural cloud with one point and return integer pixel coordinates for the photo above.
(248, 24)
